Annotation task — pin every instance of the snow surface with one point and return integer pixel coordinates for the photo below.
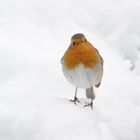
(34, 95)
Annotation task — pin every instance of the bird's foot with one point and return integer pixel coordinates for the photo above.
(89, 104)
(75, 100)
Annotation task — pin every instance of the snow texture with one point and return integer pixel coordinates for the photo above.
(34, 95)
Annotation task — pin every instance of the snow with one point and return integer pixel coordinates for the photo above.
(34, 95)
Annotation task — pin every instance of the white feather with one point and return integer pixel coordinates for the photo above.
(83, 77)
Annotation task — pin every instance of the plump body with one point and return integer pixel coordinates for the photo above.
(82, 76)
(82, 64)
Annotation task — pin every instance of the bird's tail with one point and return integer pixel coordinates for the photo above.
(90, 93)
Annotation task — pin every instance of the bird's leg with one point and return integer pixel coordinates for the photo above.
(75, 97)
(89, 104)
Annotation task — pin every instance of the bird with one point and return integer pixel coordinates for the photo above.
(82, 66)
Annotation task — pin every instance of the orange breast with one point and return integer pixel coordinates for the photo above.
(81, 54)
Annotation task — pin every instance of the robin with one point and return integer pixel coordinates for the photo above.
(82, 66)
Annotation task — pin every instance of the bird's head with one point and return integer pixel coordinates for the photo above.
(78, 39)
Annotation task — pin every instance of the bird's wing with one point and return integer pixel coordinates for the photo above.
(102, 61)
(61, 59)
(64, 54)
(98, 85)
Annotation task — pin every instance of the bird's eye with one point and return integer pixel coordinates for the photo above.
(85, 40)
(73, 43)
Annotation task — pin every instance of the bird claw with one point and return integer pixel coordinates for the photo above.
(89, 104)
(75, 100)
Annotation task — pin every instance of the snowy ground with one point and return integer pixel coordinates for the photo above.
(34, 95)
